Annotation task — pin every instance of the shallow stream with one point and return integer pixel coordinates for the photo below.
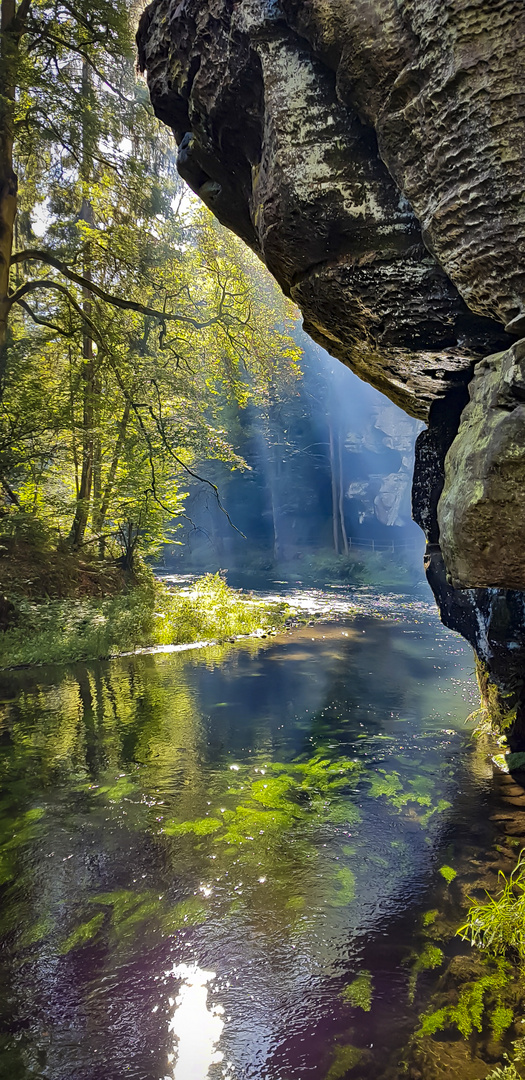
(214, 863)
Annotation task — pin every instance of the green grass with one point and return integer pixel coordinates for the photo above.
(148, 614)
(498, 927)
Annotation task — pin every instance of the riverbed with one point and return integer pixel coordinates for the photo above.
(215, 864)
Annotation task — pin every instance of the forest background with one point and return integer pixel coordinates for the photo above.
(142, 350)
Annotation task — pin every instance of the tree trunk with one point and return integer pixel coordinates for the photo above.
(82, 510)
(80, 520)
(342, 495)
(101, 509)
(8, 182)
(335, 503)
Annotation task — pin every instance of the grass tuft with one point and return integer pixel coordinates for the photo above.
(498, 927)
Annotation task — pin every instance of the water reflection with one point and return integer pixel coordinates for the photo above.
(196, 1027)
(273, 813)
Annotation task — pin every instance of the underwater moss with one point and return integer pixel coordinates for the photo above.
(199, 827)
(468, 1014)
(384, 783)
(83, 933)
(430, 917)
(345, 1058)
(448, 873)
(359, 992)
(431, 957)
(345, 892)
(122, 789)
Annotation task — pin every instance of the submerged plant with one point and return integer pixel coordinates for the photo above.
(345, 1058)
(431, 957)
(359, 992)
(498, 927)
(472, 1005)
(448, 873)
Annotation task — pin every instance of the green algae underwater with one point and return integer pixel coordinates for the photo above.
(251, 861)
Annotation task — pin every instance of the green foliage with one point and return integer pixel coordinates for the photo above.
(508, 1072)
(429, 917)
(111, 395)
(210, 610)
(147, 615)
(359, 992)
(468, 1013)
(448, 873)
(498, 926)
(501, 1020)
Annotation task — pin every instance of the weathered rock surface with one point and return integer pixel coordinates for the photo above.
(278, 106)
(481, 512)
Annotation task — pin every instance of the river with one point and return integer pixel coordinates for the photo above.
(215, 863)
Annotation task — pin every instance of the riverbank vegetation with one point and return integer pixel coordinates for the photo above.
(143, 614)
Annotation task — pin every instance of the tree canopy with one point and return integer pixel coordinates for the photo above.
(129, 319)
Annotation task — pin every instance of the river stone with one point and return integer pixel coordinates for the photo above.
(481, 512)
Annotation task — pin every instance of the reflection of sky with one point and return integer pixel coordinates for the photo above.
(197, 1028)
(189, 734)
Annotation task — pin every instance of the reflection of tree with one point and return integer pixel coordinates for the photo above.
(126, 824)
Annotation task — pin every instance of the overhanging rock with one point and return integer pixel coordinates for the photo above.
(278, 132)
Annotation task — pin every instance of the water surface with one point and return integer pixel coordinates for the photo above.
(213, 863)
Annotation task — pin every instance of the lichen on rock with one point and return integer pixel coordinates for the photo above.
(481, 512)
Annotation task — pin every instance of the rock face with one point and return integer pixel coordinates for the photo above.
(483, 499)
(371, 153)
(385, 496)
(278, 107)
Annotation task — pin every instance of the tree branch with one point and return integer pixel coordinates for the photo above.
(108, 298)
(43, 322)
(48, 283)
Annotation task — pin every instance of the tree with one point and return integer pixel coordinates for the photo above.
(139, 312)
